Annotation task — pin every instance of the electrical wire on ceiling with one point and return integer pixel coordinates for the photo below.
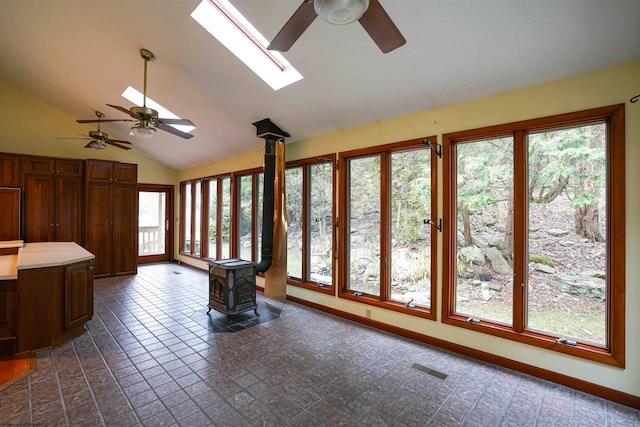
(635, 98)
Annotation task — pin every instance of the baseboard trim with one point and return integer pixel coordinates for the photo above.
(585, 386)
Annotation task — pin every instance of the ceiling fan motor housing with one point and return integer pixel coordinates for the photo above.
(96, 134)
(144, 112)
(340, 12)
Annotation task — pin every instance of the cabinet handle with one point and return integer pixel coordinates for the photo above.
(90, 268)
(53, 225)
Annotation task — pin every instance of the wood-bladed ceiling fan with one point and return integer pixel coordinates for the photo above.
(98, 139)
(369, 13)
(146, 117)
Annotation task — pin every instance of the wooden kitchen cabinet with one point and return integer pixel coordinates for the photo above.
(10, 170)
(53, 199)
(54, 303)
(111, 217)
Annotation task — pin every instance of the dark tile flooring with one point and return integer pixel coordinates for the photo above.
(151, 356)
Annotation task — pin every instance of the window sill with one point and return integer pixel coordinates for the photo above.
(400, 307)
(583, 350)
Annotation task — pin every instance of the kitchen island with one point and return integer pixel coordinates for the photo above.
(46, 295)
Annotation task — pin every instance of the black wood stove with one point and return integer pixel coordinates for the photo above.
(232, 286)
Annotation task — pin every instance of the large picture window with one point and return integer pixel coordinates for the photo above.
(191, 216)
(386, 236)
(310, 222)
(218, 217)
(534, 219)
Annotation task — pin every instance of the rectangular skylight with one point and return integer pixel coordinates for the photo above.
(235, 32)
(138, 99)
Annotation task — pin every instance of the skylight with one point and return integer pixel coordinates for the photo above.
(235, 32)
(138, 99)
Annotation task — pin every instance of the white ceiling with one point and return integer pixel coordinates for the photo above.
(78, 55)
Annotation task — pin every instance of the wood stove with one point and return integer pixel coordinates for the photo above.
(232, 286)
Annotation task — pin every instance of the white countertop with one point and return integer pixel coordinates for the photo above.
(8, 267)
(7, 244)
(51, 254)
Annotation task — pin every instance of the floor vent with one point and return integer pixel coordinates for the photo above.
(430, 371)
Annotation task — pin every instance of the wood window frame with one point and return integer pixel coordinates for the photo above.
(206, 198)
(235, 210)
(613, 352)
(305, 281)
(343, 243)
(183, 207)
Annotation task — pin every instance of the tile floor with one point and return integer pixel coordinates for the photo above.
(152, 357)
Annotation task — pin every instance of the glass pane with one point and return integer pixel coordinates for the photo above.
(410, 237)
(259, 210)
(320, 225)
(293, 181)
(484, 229)
(187, 217)
(197, 218)
(364, 225)
(226, 218)
(245, 216)
(567, 240)
(151, 223)
(213, 218)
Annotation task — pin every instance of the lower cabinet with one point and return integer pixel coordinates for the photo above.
(54, 303)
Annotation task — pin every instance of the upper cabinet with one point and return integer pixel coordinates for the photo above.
(10, 170)
(111, 172)
(53, 190)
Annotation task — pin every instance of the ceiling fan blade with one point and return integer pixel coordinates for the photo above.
(110, 142)
(174, 131)
(104, 121)
(74, 138)
(184, 122)
(124, 110)
(381, 28)
(295, 26)
(119, 140)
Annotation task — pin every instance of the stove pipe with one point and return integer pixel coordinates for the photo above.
(271, 133)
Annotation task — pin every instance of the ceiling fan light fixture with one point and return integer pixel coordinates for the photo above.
(96, 145)
(143, 131)
(340, 12)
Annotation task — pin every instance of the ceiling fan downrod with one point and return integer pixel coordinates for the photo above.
(147, 55)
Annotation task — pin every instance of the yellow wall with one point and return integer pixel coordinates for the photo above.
(609, 86)
(30, 125)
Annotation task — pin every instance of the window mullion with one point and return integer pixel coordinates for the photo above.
(520, 208)
(385, 226)
(306, 223)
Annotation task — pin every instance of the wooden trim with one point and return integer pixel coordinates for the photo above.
(585, 386)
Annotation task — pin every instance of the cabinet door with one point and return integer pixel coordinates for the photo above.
(10, 218)
(125, 233)
(99, 171)
(125, 173)
(68, 198)
(10, 166)
(78, 294)
(39, 208)
(68, 167)
(99, 227)
(39, 165)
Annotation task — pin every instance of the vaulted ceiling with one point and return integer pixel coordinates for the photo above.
(79, 55)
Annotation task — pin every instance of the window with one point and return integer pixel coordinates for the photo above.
(534, 232)
(387, 205)
(191, 215)
(310, 220)
(218, 216)
(249, 211)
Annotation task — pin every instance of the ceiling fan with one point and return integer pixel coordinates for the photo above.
(146, 117)
(369, 13)
(98, 139)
